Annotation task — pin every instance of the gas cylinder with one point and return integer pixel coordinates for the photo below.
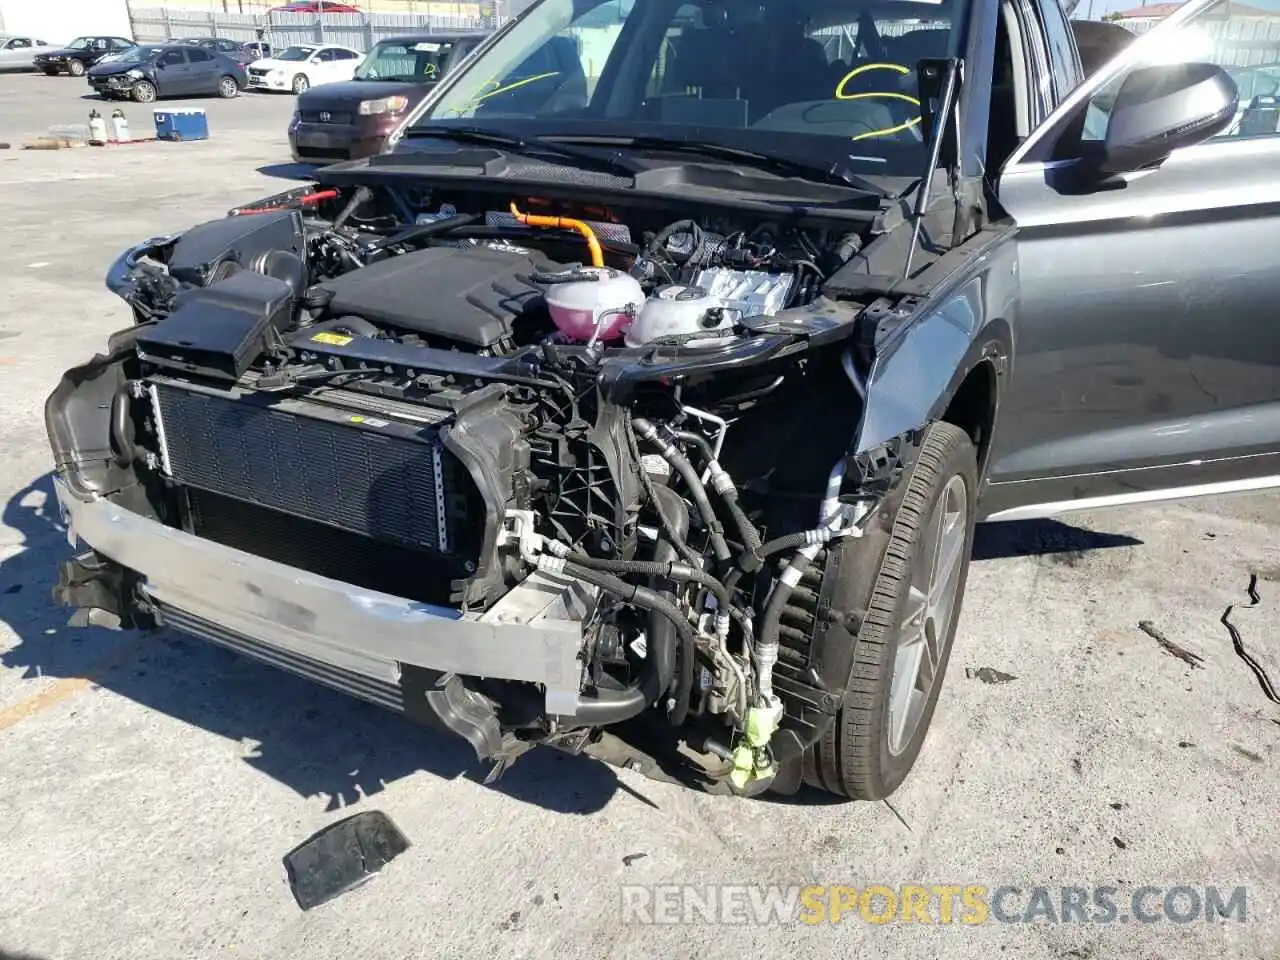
(97, 127)
(120, 125)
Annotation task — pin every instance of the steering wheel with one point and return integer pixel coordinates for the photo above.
(912, 116)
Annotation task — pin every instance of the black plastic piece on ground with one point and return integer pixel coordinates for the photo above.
(342, 856)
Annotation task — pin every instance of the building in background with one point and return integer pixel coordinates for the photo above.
(1152, 12)
(60, 21)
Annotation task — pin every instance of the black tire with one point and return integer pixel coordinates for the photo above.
(75, 68)
(854, 758)
(144, 91)
(301, 84)
(228, 89)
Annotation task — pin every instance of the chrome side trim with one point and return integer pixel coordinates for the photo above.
(1038, 511)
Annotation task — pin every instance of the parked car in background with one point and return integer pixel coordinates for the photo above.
(18, 53)
(302, 66)
(228, 48)
(149, 71)
(254, 50)
(352, 119)
(316, 6)
(80, 54)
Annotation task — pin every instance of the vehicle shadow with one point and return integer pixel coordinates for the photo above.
(289, 171)
(1057, 541)
(316, 741)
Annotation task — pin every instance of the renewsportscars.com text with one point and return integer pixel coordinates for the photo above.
(935, 904)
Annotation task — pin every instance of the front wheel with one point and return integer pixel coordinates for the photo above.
(228, 88)
(144, 92)
(905, 639)
(301, 83)
(75, 68)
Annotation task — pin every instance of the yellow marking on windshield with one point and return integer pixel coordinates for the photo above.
(842, 94)
(512, 86)
(858, 71)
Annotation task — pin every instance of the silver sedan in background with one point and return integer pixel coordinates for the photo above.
(18, 53)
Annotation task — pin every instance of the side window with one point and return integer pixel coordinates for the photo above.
(120, 44)
(198, 55)
(345, 55)
(227, 46)
(171, 58)
(327, 56)
(1225, 34)
(19, 43)
(1063, 59)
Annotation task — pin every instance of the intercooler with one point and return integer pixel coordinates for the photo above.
(338, 463)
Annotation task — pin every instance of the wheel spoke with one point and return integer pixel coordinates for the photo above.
(927, 613)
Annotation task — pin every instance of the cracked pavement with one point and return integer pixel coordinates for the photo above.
(149, 785)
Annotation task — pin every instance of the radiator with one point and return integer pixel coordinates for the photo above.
(366, 473)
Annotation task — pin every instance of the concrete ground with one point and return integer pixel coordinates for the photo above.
(150, 785)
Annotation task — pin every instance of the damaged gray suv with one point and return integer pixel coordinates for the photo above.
(642, 399)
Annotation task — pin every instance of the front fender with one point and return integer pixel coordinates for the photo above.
(923, 354)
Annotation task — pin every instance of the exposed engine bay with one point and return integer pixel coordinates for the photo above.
(477, 409)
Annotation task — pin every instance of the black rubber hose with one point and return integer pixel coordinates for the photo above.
(670, 571)
(121, 431)
(285, 266)
(777, 545)
(603, 706)
(362, 195)
(668, 529)
(698, 440)
(746, 529)
(772, 619)
(649, 600)
(697, 491)
(420, 230)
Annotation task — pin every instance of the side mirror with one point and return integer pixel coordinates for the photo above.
(1159, 109)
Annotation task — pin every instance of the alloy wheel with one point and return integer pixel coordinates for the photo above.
(931, 603)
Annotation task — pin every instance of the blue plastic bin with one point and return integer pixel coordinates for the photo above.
(187, 123)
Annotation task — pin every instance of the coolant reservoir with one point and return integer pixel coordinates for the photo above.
(689, 315)
(608, 302)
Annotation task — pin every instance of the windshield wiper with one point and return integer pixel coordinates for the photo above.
(536, 147)
(784, 165)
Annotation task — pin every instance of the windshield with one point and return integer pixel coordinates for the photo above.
(831, 80)
(295, 53)
(136, 54)
(414, 62)
(79, 43)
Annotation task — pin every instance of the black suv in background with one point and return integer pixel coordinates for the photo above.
(228, 48)
(80, 54)
(353, 118)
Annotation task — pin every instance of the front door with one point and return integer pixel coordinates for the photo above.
(1147, 339)
(172, 74)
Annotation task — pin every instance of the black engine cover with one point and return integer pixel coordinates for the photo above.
(468, 295)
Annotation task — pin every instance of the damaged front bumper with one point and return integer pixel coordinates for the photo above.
(358, 640)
